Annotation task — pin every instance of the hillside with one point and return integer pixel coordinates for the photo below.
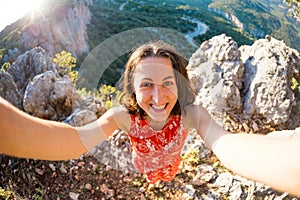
(85, 24)
(260, 18)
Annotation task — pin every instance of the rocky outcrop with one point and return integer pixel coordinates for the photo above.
(64, 28)
(271, 78)
(235, 20)
(216, 73)
(34, 85)
(27, 66)
(59, 25)
(55, 103)
(258, 83)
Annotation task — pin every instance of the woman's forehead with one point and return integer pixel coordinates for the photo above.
(154, 66)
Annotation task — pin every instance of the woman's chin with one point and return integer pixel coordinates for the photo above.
(161, 117)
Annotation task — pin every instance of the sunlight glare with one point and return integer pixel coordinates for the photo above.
(12, 10)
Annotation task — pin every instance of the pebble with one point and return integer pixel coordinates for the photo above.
(88, 186)
(62, 169)
(73, 195)
(39, 171)
(81, 164)
(104, 189)
(52, 167)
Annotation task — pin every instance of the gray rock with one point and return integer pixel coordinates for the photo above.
(28, 65)
(269, 68)
(81, 117)
(216, 73)
(258, 82)
(9, 91)
(49, 96)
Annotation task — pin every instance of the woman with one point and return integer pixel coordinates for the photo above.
(157, 111)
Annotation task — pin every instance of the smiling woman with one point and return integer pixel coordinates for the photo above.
(11, 11)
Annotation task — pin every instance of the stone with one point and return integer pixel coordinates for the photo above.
(216, 73)
(29, 65)
(257, 83)
(49, 96)
(9, 90)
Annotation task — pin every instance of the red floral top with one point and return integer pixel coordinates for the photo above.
(157, 153)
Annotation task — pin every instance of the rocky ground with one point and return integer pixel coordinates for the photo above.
(201, 176)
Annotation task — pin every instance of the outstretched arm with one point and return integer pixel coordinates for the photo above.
(26, 136)
(274, 161)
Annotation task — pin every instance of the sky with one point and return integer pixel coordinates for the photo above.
(12, 10)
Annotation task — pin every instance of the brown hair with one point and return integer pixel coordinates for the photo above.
(186, 94)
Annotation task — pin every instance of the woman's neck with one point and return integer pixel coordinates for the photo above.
(157, 125)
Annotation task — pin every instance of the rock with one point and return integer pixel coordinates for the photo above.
(73, 195)
(88, 186)
(28, 65)
(250, 84)
(63, 169)
(62, 26)
(111, 153)
(270, 67)
(235, 191)
(9, 90)
(81, 164)
(52, 167)
(81, 117)
(224, 182)
(49, 96)
(39, 171)
(104, 189)
(216, 73)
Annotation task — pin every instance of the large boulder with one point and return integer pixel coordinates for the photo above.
(49, 97)
(270, 84)
(28, 65)
(216, 73)
(257, 84)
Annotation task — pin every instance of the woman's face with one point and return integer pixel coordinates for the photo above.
(155, 87)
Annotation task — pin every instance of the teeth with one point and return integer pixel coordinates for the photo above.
(158, 107)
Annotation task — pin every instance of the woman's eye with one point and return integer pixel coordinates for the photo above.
(168, 83)
(146, 84)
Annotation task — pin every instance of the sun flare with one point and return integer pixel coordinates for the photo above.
(12, 10)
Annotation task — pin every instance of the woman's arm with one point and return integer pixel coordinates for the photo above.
(26, 136)
(274, 161)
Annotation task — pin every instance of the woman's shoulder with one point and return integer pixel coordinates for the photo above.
(121, 116)
(192, 115)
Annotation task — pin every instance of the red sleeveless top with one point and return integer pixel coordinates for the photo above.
(157, 153)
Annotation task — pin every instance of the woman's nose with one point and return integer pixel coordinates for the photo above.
(157, 93)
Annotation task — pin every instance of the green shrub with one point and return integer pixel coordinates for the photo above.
(4, 194)
(5, 67)
(107, 94)
(66, 63)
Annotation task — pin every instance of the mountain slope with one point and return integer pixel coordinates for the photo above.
(263, 17)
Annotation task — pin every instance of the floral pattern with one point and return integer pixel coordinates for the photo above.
(157, 153)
